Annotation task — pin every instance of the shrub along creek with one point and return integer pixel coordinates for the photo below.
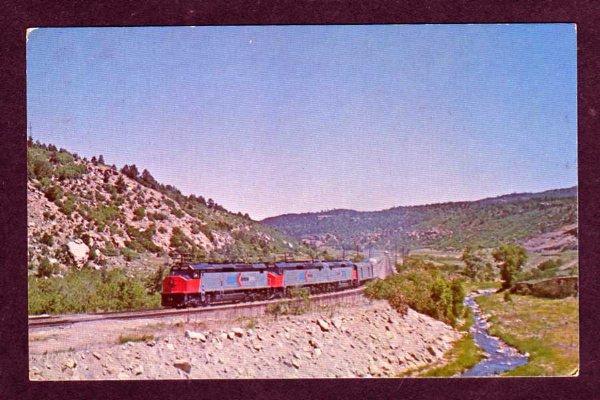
(500, 357)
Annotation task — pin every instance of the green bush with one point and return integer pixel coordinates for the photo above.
(550, 264)
(299, 304)
(68, 206)
(142, 240)
(129, 254)
(46, 268)
(139, 213)
(47, 239)
(70, 171)
(425, 290)
(41, 169)
(156, 216)
(110, 250)
(53, 193)
(104, 214)
(89, 290)
(511, 259)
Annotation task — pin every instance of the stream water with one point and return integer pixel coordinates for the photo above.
(499, 356)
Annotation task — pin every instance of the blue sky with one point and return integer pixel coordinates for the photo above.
(277, 119)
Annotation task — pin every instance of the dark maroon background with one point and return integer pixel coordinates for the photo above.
(16, 16)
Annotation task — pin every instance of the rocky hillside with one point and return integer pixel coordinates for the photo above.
(85, 212)
(369, 340)
(487, 222)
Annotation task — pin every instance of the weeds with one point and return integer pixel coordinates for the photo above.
(134, 337)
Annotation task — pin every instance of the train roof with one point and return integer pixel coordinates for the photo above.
(264, 266)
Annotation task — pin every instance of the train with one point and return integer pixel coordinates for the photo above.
(202, 284)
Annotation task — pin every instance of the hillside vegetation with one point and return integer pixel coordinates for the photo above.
(86, 213)
(484, 223)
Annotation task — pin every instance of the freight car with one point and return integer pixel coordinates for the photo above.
(208, 283)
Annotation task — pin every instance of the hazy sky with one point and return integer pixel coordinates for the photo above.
(277, 119)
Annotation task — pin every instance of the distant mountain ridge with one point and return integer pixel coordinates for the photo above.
(485, 222)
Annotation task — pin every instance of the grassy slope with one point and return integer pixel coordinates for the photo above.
(547, 329)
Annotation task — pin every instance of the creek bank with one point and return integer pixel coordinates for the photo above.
(500, 357)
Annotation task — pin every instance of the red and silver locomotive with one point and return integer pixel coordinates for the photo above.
(208, 283)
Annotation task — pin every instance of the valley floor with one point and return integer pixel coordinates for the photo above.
(547, 329)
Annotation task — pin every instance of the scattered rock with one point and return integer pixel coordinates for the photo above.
(70, 363)
(138, 370)
(97, 355)
(296, 363)
(238, 332)
(195, 335)
(183, 365)
(324, 325)
(432, 351)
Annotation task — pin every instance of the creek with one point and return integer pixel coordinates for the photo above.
(500, 357)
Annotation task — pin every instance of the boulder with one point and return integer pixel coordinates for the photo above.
(79, 251)
(195, 335)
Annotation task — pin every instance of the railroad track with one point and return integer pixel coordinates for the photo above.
(382, 265)
(58, 320)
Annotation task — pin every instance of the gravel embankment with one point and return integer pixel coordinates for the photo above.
(369, 340)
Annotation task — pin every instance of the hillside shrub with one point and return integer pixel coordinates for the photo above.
(89, 290)
(68, 205)
(53, 193)
(129, 254)
(49, 216)
(47, 268)
(110, 250)
(156, 216)
(104, 214)
(47, 239)
(120, 185)
(70, 171)
(41, 169)
(139, 213)
(142, 240)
